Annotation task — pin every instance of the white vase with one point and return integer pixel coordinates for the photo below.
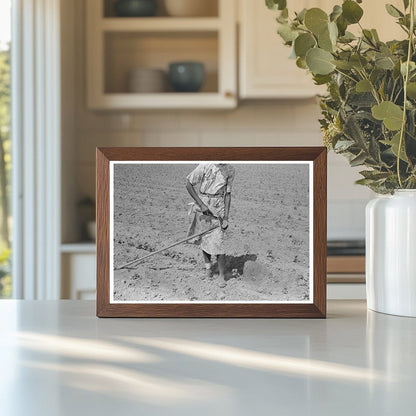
(391, 253)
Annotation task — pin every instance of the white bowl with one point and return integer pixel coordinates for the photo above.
(147, 80)
(191, 8)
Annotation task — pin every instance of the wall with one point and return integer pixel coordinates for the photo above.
(254, 123)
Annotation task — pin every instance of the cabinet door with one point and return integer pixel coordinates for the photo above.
(78, 276)
(376, 17)
(265, 68)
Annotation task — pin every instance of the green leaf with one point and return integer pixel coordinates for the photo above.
(344, 65)
(325, 42)
(375, 35)
(388, 112)
(303, 43)
(351, 11)
(374, 150)
(336, 12)
(412, 67)
(301, 15)
(358, 160)
(343, 145)
(374, 174)
(347, 37)
(406, 4)
(368, 36)
(365, 182)
(319, 61)
(394, 145)
(316, 20)
(363, 86)
(358, 61)
(354, 132)
(342, 25)
(301, 63)
(362, 99)
(382, 89)
(333, 32)
(405, 21)
(411, 123)
(384, 62)
(281, 19)
(276, 4)
(411, 90)
(287, 33)
(321, 79)
(393, 11)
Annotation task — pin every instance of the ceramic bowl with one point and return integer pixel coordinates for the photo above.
(135, 8)
(147, 80)
(186, 76)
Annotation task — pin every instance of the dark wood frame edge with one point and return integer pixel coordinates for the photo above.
(317, 155)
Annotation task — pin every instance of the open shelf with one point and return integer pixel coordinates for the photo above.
(119, 45)
(84, 247)
(167, 100)
(126, 51)
(160, 24)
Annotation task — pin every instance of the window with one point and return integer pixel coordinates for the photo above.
(5, 145)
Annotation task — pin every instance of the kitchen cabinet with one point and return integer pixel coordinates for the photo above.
(78, 262)
(118, 45)
(265, 69)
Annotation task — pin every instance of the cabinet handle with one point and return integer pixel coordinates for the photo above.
(229, 94)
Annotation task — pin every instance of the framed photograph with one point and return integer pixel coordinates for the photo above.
(211, 232)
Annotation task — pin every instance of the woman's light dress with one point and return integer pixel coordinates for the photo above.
(212, 182)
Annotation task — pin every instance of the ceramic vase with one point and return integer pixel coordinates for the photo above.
(391, 253)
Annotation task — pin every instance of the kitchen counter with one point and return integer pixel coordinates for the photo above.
(57, 358)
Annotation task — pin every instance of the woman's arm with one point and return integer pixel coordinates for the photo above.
(194, 194)
(227, 202)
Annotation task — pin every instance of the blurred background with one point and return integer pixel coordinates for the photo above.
(145, 73)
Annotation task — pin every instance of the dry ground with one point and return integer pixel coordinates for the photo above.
(268, 237)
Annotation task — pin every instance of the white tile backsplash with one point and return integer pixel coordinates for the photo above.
(258, 123)
(346, 219)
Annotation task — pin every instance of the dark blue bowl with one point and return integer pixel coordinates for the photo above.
(135, 8)
(186, 76)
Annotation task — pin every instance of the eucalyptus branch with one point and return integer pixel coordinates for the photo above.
(404, 28)
(373, 88)
(398, 95)
(346, 75)
(392, 91)
(365, 61)
(405, 81)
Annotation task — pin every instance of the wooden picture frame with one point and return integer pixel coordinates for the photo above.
(314, 157)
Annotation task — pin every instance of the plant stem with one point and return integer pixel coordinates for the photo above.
(373, 88)
(405, 81)
(346, 75)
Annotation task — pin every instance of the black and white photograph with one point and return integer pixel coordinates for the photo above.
(210, 232)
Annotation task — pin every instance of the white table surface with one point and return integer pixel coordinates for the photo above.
(57, 358)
